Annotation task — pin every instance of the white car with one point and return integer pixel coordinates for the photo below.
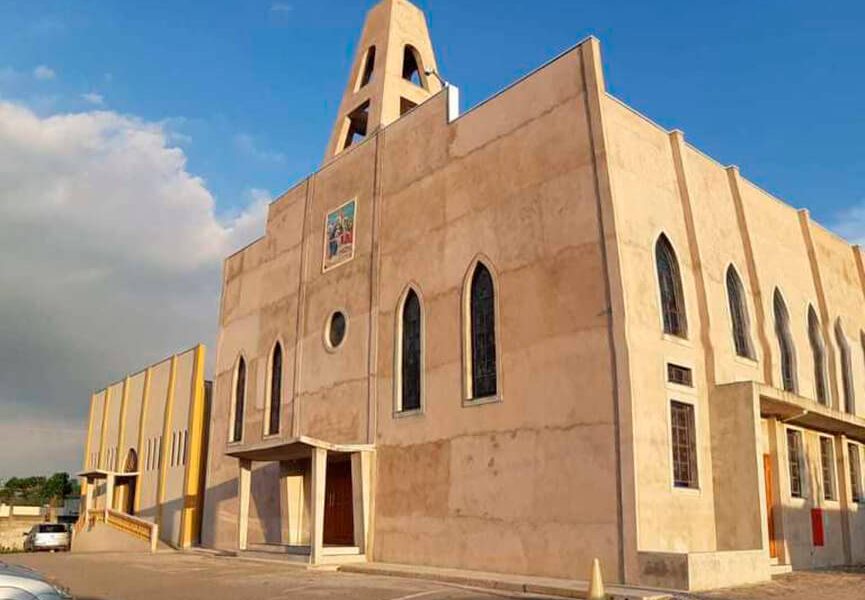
(47, 536)
(21, 583)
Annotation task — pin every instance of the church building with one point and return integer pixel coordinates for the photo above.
(534, 333)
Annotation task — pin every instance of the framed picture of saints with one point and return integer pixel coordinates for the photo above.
(339, 235)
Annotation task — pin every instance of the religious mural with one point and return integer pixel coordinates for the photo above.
(339, 235)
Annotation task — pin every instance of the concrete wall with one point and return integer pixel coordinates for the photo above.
(714, 218)
(512, 182)
(648, 202)
(563, 192)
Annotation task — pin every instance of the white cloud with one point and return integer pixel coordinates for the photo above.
(44, 73)
(281, 8)
(93, 98)
(247, 145)
(851, 224)
(110, 258)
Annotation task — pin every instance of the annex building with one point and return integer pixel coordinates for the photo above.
(144, 458)
(516, 339)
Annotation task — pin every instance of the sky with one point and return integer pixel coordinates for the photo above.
(140, 143)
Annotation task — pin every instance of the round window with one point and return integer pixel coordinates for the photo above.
(336, 329)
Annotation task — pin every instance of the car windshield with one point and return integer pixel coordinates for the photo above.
(52, 528)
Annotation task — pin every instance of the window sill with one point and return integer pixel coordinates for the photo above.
(481, 401)
(270, 436)
(406, 414)
(746, 361)
(687, 491)
(684, 342)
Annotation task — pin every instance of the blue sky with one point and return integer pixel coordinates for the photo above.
(250, 86)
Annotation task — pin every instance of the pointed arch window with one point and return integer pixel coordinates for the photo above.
(412, 67)
(275, 399)
(670, 281)
(846, 368)
(482, 334)
(785, 343)
(739, 314)
(410, 354)
(239, 399)
(818, 350)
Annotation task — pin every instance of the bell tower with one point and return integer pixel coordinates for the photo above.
(388, 77)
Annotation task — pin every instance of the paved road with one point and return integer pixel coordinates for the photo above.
(170, 576)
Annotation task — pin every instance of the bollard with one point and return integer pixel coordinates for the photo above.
(596, 585)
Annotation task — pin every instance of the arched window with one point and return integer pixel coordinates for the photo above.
(739, 314)
(818, 350)
(672, 299)
(412, 67)
(275, 399)
(785, 343)
(239, 397)
(846, 368)
(482, 334)
(410, 354)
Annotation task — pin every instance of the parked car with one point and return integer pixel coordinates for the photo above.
(21, 583)
(47, 536)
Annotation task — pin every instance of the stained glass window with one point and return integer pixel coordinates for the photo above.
(819, 354)
(239, 393)
(785, 343)
(483, 334)
(275, 390)
(411, 353)
(672, 300)
(739, 314)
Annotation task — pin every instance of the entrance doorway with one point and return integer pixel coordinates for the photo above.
(770, 505)
(338, 505)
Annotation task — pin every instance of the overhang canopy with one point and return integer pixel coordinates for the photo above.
(95, 474)
(797, 410)
(290, 449)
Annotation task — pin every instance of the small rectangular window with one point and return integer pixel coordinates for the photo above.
(794, 458)
(827, 463)
(684, 441)
(855, 474)
(680, 375)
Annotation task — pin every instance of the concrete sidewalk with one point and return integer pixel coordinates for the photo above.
(548, 586)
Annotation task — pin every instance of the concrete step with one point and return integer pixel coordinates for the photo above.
(775, 570)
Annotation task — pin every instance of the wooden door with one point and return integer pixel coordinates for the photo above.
(338, 505)
(770, 505)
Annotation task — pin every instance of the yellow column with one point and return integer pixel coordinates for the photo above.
(142, 421)
(87, 442)
(192, 496)
(166, 441)
(105, 407)
(121, 434)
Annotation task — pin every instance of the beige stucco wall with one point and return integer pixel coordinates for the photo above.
(647, 200)
(511, 183)
(457, 188)
(563, 191)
